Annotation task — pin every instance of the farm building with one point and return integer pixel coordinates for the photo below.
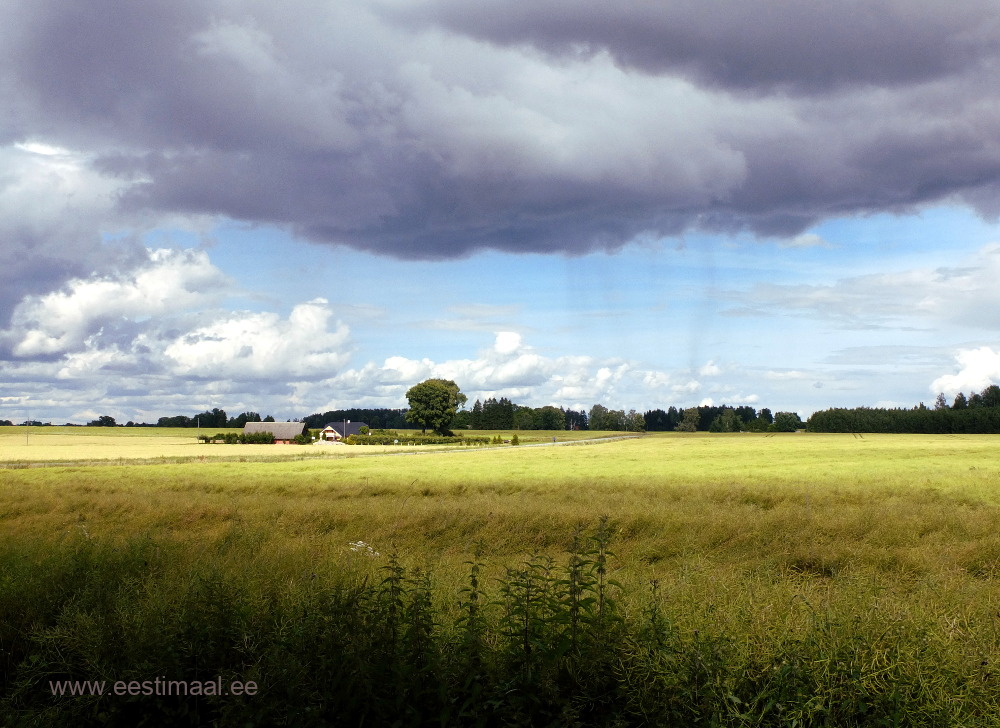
(284, 432)
(340, 430)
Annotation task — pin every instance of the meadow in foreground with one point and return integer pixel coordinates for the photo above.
(676, 579)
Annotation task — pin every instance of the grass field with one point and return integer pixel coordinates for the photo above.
(87, 444)
(758, 579)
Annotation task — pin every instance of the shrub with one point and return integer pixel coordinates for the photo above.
(394, 439)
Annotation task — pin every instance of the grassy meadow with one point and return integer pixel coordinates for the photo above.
(672, 579)
(56, 444)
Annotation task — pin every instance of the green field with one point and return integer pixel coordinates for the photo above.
(175, 445)
(747, 579)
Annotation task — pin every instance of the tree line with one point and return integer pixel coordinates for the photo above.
(721, 418)
(978, 413)
(212, 418)
(503, 414)
(376, 418)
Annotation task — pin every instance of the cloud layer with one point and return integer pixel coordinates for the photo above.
(157, 340)
(433, 129)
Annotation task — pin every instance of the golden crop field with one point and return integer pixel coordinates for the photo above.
(789, 570)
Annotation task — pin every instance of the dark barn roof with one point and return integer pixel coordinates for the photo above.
(353, 428)
(280, 430)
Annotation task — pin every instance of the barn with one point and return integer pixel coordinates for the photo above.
(284, 432)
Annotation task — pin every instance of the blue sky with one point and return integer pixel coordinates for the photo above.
(228, 206)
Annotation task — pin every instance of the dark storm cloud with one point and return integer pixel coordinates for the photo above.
(445, 128)
(50, 227)
(759, 46)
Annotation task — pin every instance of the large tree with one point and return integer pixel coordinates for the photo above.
(433, 403)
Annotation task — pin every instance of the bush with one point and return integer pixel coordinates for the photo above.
(549, 643)
(395, 439)
(242, 438)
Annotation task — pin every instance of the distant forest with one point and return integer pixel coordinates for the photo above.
(377, 419)
(976, 413)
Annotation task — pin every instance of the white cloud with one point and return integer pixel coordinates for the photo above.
(978, 369)
(507, 369)
(507, 342)
(710, 369)
(806, 240)
(92, 359)
(171, 281)
(258, 345)
(963, 294)
(791, 374)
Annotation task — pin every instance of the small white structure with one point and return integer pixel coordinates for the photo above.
(337, 431)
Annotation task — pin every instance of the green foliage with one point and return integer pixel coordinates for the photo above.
(977, 414)
(103, 421)
(690, 420)
(548, 642)
(969, 420)
(241, 419)
(412, 439)
(786, 422)
(433, 404)
(515, 440)
(215, 418)
(245, 438)
(377, 418)
(726, 422)
(783, 594)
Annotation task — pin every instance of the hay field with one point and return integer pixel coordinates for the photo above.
(791, 570)
(85, 444)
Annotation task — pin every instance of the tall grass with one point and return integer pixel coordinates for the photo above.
(542, 641)
(727, 585)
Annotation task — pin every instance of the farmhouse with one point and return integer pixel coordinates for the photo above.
(340, 430)
(284, 432)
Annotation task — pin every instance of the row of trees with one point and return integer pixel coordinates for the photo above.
(721, 418)
(917, 420)
(436, 403)
(989, 397)
(602, 418)
(439, 404)
(382, 419)
(502, 414)
(212, 418)
(976, 414)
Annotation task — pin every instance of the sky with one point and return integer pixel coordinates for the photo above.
(302, 206)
